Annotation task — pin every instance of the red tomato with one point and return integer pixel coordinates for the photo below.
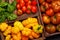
(22, 3)
(24, 37)
(54, 19)
(24, 8)
(34, 3)
(26, 1)
(50, 28)
(19, 12)
(50, 12)
(28, 7)
(18, 6)
(18, 1)
(46, 19)
(34, 9)
(28, 11)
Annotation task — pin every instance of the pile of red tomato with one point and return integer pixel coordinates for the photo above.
(50, 14)
(26, 6)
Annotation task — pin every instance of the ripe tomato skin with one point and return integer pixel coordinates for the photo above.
(24, 8)
(26, 1)
(34, 9)
(49, 12)
(46, 19)
(29, 7)
(58, 17)
(50, 28)
(54, 19)
(34, 3)
(18, 6)
(41, 1)
(28, 11)
(58, 27)
(18, 1)
(20, 12)
(22, 3)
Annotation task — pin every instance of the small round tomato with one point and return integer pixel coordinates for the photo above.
(34, 3)
(22, 3)
(29, 7)
(19, 12)
(54, 19)
(28, 11)
(50, 28)
(24, 8)
(18, 6)
(49, 12)
(46, 19)
(58, 27)
(26, 1)
(34, 9)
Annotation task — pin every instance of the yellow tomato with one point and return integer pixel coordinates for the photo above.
(8, 37)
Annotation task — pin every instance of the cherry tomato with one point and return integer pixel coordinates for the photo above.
(18, 6)
(22, 3)
(26, 1)
(28, 11)
(34, 9)
(19, 12)
(24, 8)
(41, 1)
(50, 12)
(29, 7)
(34, 3)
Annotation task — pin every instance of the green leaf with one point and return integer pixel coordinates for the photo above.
(12, 16)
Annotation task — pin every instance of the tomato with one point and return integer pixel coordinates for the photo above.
(58, 27)
(34, 9)
(28, 11)
(24, 8)
(19, 12)
(18, 1)
(49, 12)
(56, 6)
(49, 1)
(24, 37)
(18, 6)
(54, 19)
(42, 9)
(26, 1)
(47, 6)
(22, 3)
(41, 1)
(50, 28)
(58, 17)
(29, 7)
(34, 3)
(46, 19)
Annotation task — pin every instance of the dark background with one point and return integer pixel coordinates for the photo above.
(55, 37)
